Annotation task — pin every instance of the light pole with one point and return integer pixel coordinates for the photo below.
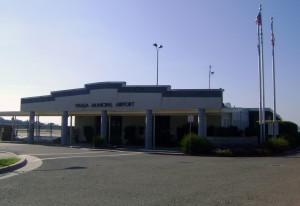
(157, 48)
(209, 75)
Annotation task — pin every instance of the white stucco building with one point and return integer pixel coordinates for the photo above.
(110, 108)
(149, 115)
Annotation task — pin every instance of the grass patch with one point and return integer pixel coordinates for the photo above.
(8, 161)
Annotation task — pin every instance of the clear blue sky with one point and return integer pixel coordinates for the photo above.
(48, 45)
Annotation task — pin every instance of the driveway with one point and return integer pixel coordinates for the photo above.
(81, 176)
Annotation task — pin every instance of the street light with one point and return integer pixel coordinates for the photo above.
(209, 75)
(157, 48)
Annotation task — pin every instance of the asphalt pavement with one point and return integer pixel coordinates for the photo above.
(84, 176)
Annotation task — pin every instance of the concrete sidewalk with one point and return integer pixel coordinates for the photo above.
(5, 155)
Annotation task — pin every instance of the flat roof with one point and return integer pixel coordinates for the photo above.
(111, 113)
(164, 90)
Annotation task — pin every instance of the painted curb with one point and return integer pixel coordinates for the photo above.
(22, 162)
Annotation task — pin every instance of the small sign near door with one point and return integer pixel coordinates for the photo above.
(191, 118)
(271, 130)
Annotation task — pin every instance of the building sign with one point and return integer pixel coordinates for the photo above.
(191, 118)
(104, 105)
(270, 128)
(82, 105)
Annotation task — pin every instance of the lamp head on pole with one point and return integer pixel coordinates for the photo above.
(210, 72)
(158, 46)
(157, 49)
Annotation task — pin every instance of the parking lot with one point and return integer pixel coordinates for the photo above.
(83, 176)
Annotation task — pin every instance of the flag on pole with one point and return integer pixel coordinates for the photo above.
(258, 19)
(272, 33)
(272, 38)
(261, 76)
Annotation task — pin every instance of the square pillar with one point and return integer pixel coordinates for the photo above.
(71, 129)
(149, 129)
(31, 128)
(103, 123)
(201, 122)
(64, 128)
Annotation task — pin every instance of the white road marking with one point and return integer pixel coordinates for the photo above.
(92, 152)
(53, 154)
(109, 155)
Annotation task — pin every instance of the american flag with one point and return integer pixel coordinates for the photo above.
(272, 33)
(258, 19)
(272, 38)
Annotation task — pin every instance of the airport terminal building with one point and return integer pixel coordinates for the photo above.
(149, 115)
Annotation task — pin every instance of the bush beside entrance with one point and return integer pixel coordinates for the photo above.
(277, 145)
(194, 144)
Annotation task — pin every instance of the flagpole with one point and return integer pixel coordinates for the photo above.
(263, 84)
(273, 74)
(258, 22)
(209, 76)
(210, 73)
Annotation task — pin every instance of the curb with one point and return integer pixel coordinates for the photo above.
(22, 162)
(163, 152)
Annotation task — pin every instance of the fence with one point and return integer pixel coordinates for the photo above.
(20, 132)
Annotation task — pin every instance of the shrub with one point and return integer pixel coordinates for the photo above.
(224, 152)
(193, 144)
(288, 128)
(298, 139)
(292, 140)
(277, 145)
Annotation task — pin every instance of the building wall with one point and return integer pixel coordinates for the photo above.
(119, 97)
(178, 121)
(81, 121)
(138, 122)
(240, 119)
(226, 120)
(140, 101)
(213, 120)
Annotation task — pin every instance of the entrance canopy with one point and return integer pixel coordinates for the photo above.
(102, 101)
